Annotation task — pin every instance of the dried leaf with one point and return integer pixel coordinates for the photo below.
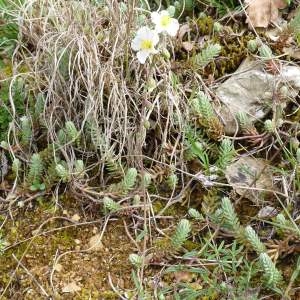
(183, 30)
(262, 12)
(188, 46)
(292, 52)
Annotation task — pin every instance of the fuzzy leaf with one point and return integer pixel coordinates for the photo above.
(207, 55)
(182, 232)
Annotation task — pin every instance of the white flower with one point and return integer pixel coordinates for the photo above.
(144, 42)
(164, 23)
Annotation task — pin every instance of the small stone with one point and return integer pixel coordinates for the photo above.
(250, 90)
(267, 212)
(95, 243)
(75, 218)
(71, 288)
(35, 232)
(58, 267)
(251, 178)
(20, 204)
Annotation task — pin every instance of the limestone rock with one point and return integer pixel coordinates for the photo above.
(250, 90)
(251, 178)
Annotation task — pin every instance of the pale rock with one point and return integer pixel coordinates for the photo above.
(71, 287)
(58, 267)
(75, 218)
(267, 212)
(251, 178)
(95, 243)
(250, 90)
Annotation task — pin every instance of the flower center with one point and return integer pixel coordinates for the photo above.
(146, 45)
(165, 21)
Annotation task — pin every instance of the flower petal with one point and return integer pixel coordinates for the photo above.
(142, 56)
(143, 31)
(155, 17)
(159, 28)
(155, 37)
(164, 13)
(136, 43)
(154, 51)
(173, 27)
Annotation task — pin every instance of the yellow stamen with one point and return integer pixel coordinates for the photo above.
(146, 45)
(165, 21)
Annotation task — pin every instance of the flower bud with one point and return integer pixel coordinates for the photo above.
(217, 27)
(165, 53)
(252, 45)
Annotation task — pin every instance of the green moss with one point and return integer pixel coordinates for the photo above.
(190, 245)
(205, 25)
(88, 294)
(18, 96)
(231, 39)
(109, 295)
(234, 51)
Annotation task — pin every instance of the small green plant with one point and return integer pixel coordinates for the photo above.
(252, 46)
(26, 130)
(184, 6)
(207, 55)
(202, 106)
(195, 148)
(224, 6)
(129, 180)
(96, 136)
(195, 214)
(136, 260)
(114, 167)
(17, 92)
(226, 154)
(172, 181)
(181, 234)
(62, 172)
(230, 219)
(62, 137)
(147, 178)
(295, 26)
(265, 52)
(71, 132)
(269, 125)
(254, 240)
(16, 166)
(246, 125)
(203, 109)
(2, 244)
(79, 168)
(229, 215)
(36, 168)
(39, 105)
(271, 274)
(110, 206)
